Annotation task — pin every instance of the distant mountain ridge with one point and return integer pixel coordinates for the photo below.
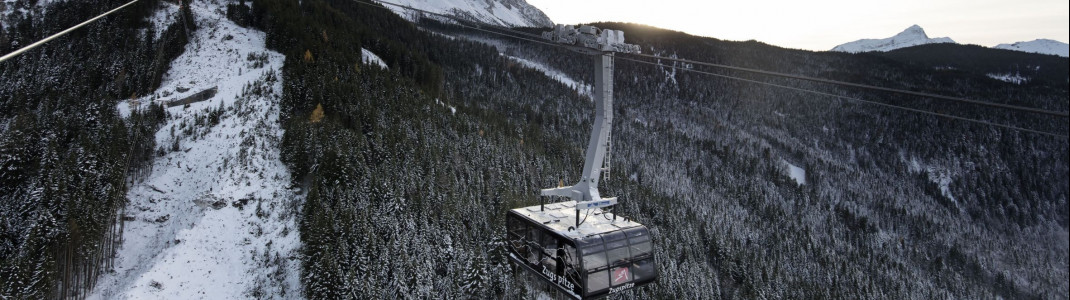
(912, 36)
(915, 36)
(513, 13)
(1042, 46)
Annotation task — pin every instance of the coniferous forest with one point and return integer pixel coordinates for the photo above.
(65, 154)
(406, 172)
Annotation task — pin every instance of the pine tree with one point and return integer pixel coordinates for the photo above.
(475, 277)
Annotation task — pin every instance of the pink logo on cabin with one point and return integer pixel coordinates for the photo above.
(621, 276)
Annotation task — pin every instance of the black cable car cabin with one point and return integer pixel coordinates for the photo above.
(605, 255)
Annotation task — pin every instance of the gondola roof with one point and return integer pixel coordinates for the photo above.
(560, 217)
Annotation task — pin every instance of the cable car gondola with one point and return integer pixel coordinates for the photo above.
(600, 254)
(605, 255)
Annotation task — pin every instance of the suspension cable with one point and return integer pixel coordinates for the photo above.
(865, 86)
(983, 122)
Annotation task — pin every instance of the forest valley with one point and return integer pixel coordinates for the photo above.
(401, 174)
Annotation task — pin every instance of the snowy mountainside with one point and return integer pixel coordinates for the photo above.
(1042, 46)
(582, 88)
(938, 192)
(369, 57)
(1015, 78)
(912, 36)
(215, 219)
(516, 13)
(1009, 66)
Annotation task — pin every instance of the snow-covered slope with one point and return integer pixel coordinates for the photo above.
(499, 12)
(579, 86)
(369, 57)
(1042, 46)
(912, 36)
(1015, 78)
(215, 219)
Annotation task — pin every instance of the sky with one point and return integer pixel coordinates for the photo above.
(823, 24)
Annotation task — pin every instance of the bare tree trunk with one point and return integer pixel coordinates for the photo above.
(60, 284)
(97, 262)
(111, 243)
(78, 274)
(84, 280)
(122, 224)
(67, 268)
